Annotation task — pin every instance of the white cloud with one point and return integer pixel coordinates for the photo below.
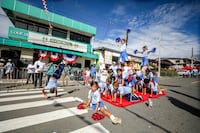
(164, 23)
(119, 10)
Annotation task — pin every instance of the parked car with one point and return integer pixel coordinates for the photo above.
(182, 72)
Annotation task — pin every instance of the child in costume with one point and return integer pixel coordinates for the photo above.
(145, 60)
(94, 101)
(52, 84)
(123, 53)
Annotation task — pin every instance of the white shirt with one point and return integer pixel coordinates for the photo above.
(123, 47)
(94, 96)
(31, 68)
(87, 73)
(39, 66)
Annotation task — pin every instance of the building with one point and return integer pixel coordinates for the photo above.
(110, 52)
(26, 32)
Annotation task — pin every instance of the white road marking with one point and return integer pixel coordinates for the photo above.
(21, 122)
(7, 99)
(22, 90)
(25, 92)
(94, 128)
(35, 104)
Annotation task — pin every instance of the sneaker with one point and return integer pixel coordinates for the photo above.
(116, 120)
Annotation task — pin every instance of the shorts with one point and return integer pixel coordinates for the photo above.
(101, 105)
(125, 90)
(51, 84)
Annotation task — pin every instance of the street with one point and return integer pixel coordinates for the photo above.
(24, 110)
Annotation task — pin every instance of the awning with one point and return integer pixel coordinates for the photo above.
(8, 42)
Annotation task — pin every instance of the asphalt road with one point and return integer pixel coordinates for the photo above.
(28, 111)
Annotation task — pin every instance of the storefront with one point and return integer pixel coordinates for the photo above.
(30, 36)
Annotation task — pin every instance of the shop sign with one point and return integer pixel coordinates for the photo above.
(56, 42)
(17, 33)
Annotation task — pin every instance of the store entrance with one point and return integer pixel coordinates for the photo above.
(87, 63)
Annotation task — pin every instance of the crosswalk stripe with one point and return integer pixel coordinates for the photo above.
(21, 122)
(94, 128)
(21, 90)
(35, 104)
(7, 99)
(25, 92)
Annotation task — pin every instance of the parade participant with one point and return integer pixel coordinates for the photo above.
(123, 53)
(39, 69)
(52, 84)
(114, 68)
(94, 101)
(30, 72)
(145, 61)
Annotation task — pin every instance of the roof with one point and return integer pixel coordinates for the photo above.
(38, 13)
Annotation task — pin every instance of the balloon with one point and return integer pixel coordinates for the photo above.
(154, 50)
(135, 51)
(118, 39)
(128, 30)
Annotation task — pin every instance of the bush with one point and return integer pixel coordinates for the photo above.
(167, 72)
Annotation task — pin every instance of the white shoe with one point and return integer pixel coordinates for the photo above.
(116, 120)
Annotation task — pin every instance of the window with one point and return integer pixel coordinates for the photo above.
(21, 25)
(43, 30)
(59, 33)
(79, 37)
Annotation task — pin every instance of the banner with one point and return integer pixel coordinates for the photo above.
(54, 56)
(69, 58)
(42, 53)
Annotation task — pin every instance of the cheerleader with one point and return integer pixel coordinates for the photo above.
(123, 53)
(145, 60)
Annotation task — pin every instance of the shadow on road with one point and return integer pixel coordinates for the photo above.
(184, 106)
(170, 85)
(185, 95)
(141, 117)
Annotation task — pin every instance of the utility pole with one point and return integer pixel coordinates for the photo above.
(192, 58)
(159, 58)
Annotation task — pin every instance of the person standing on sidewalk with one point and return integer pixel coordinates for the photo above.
(50, 70)
(9, 69)
(65, 75)
(39, 69)
(1, 68)
(30, 72)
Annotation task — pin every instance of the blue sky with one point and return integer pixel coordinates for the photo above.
(173, 23)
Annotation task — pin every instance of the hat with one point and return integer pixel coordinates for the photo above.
(2, 59)
(9, 59)
(114, 62)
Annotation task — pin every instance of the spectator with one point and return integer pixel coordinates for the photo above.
(50, 70)
(30, 72)
(93, 72)
(65, 75)
(39, 69)
(9, 69)
(1, 68)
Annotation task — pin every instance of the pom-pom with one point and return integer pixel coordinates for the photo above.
(118, 39)
(97, 116)
(154, 50)
(135, 51)
(128, 30)
(81, 106)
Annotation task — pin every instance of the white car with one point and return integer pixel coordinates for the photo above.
(182, 72)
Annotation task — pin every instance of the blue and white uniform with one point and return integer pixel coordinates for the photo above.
(122, 90)
(52, 84)
(123, 54)
(94, 98)
(145, 60)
